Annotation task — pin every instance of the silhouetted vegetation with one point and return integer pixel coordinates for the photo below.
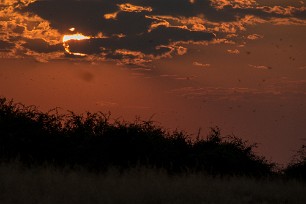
(297, 168)
(93, 142)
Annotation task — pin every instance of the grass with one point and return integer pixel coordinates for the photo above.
(48, 185)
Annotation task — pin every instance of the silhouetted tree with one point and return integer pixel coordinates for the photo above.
(91, 141)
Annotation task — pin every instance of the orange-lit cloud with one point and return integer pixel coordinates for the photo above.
(264, 67)
(152, 29)
(181, 50)
(192, 23)
(133, 8)
(201, 64)
(288, 21)
(24, 32)
(288, 11)
(127, 7)
(254, 36)
(235, 51)
(111, 15)
(220, 4)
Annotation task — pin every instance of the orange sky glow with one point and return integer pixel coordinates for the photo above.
(188, 65)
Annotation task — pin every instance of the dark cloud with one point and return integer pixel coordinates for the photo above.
(41, 46)
(5, 46)
(87, 16)
(126, 35)
(18, 29)
(301, 14)
(147, 43)
(140, 29)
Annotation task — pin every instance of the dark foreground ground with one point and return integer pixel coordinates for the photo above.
(45, 185)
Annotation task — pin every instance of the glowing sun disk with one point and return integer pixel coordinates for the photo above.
(77, 36)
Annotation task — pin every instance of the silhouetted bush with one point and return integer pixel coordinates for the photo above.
(297, 168)
(91, 141)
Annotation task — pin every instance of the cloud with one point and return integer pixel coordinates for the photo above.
(133, 31)
(275, 86)
(200, 64)
(41, 46)
(23, 32)
(254, 36)
(220, 4)
(140, 48)
(218, 93)
(264, 67)
(124, 27)
(302, 67)
(235, 51)
(133, 8)
(5, 46)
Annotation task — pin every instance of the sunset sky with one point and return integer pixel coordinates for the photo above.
(186, 64)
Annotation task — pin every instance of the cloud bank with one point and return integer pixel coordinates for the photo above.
(134, 32)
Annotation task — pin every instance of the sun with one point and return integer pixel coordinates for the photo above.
(77, 36)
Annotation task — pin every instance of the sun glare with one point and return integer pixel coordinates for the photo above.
(77, 36)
